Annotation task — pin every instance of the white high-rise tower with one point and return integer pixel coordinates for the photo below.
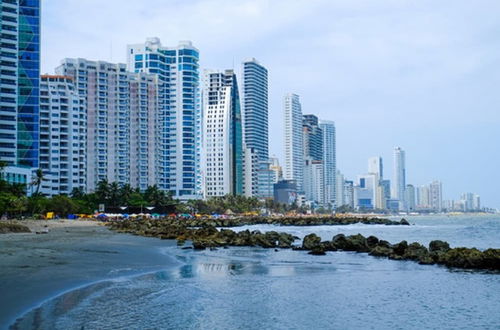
(293, 142)
(399, 176)
(329, 162)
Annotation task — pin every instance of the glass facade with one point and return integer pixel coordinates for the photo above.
(179, 143)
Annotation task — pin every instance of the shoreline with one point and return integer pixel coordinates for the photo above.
(73, 254)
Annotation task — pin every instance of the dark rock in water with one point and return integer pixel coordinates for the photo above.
(380, 251)
(356, 243)
(438, 246)
(181, 242)
(491, 259)
(462, 258)
(339, 241)
(385, 244)
(317, 251)
(328, 246)
(372, 241)
(427, 260)
(416, 251)
(404, 222)
(187, 248)
(199, 245)
(400, 248)
(311, 241)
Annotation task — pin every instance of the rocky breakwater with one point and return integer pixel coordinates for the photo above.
(207, 236)
(438, 252)
(283, 221)
(13, 227)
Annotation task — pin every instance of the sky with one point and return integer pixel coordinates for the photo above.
(423, 75)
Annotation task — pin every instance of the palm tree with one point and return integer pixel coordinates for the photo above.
(37, 180)
(102, 191)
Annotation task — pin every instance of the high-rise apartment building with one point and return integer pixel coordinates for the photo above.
(314, 181)
(254, 101)
(399, 177)
(122, 129)
(63, 126)
(223, 139)
(312, 137)
(436, 196)
(20, 82)
(329, 162)
(179, 113)
(375, 166)
(410, 198)
(293, 140)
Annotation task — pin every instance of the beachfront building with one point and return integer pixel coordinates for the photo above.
(293, 140)
(399, 177)
(223, 139)
(314, 181)
(19, 83)
(122, 130)
(251, 171)
(179, 140)
(329, 163)
(436, 196)
(63, 125)
(410, 198)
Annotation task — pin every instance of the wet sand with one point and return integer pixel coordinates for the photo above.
(37, 267)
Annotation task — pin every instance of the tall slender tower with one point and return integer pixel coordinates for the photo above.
(330, 163)
(179, 145)
(20, 82)
(255, 108)
(375, 166)
(293, 140)
(223, 140)
(399, 179)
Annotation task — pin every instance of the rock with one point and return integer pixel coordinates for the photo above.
(372, 241)
(356, 243)
(491, 259)
(317, 251)
(462, 258)
(199, 245)
(385, 244)
(339, 241)
(427, 260)
(380, 251)
(404, 222)
(438, 246)
(400, 248)
(311, 241)
(416, 251)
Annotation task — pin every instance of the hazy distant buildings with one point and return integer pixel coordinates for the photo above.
(314, 181)
(436, 196)
(19, 83)
(330, 163)
(293, 140)
(399, 177)
(223, 139)
(179, 112)
(410, 198)
(375, 166)
(63, 126)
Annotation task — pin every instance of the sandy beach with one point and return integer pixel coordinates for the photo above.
(36, 267)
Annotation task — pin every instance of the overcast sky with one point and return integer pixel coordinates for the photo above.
(423, 75)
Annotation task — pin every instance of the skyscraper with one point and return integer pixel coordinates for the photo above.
(375, 166)
(121, 122)
(330, 163)
(399, 178)
(312, 138)
(63, 127)
(436, 195)
(293, 140)
(223, 140)
(20, 82)
(255, 107)
(179, 120)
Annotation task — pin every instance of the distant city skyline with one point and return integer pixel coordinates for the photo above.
(435, 69)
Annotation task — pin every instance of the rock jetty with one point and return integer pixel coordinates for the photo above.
(208, 236)
(13, 227)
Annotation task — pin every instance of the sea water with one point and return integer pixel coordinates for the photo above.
(255, 288)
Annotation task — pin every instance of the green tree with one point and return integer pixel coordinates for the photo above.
(37, 180)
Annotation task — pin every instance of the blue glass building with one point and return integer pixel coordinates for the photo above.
(19, 82)
(179, 120)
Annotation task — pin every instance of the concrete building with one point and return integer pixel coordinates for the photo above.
(410, 198)
(330, 163)
(375, 166)
(63, 136)
(223, 139)
(19, 83)
(436, 196)
(399, 178)
(314, 181)
(365, 191)
(293, 140)
(179, 112)
(122, 117)
(312, 137)
(423, 198)
(339, 189)
(251, 171)
(285, 192)
(268, 175)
